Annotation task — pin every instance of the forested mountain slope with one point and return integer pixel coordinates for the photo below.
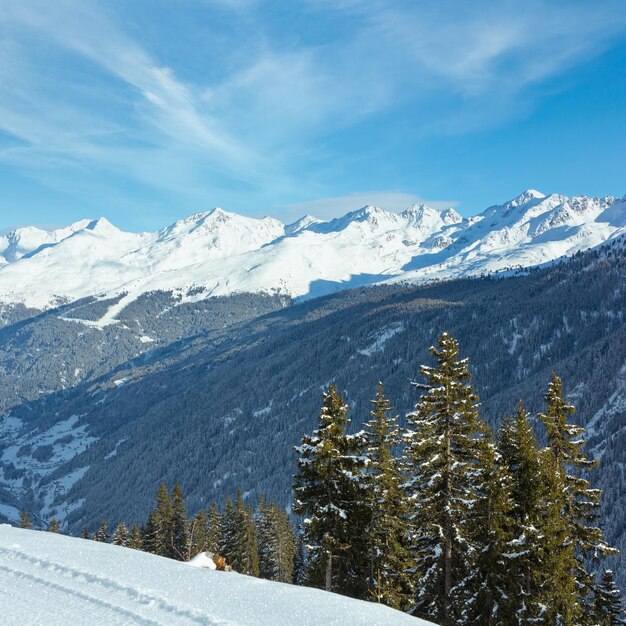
(215, 393)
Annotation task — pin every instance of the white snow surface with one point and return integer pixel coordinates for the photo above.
(225, 253)
(56, 580)
(381, 338)
(203, 561)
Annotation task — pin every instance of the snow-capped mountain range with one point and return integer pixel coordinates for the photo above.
(219, 253)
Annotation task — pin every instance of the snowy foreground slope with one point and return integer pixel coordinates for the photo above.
(52, 579)
(220, 253)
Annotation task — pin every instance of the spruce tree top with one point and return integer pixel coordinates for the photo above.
(333, 420)
(565, 439)
(448, 396)
(25, 520)
(382, 429)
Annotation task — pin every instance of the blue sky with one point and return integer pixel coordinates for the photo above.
(149, 110)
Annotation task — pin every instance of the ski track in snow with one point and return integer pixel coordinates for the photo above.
(39, 572)
(52, 580)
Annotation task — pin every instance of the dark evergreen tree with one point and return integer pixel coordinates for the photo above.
(581, 507)
(244, 557)
(263, 522)
(149, 534)
(491, 585)
(299, 562)
(25, 520)
(135, 540)
(251, 544)
(162, 520)
(120, 536)
(179, 539)
(102, 533)
(559, 593)
(441, 459)
(276, 543)
(54, 526)
(213, 530)
(608, 602)
(228, 538)
(388, 530)
(197, 534)
(85, 533)
(331, 495)
(522, 459)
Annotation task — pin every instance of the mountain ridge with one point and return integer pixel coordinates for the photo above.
(218, 252)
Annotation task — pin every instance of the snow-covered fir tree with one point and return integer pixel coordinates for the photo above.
(608, 602)
(330, 493)
(442, 452)
(102, 534)
(120, 536)
(387, 533)
(559, 593)
(581, 507)
(521, 457)
(490, 531)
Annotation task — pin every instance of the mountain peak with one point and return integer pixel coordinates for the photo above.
(220, 212)
(368, 213)
(372, 215)
(369, 210)
(200, 216)
(100, 224)
(301, 224)
(450, 216)
(420, 208)
(525, 197)
(423, 216)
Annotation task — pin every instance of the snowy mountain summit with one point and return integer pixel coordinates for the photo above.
(219, 253)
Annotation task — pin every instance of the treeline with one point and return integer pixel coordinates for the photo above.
(258, 542)
(444, 519)
(451, 521)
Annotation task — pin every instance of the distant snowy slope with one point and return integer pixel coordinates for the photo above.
(23, 241)
(51, 579)
(219, 253)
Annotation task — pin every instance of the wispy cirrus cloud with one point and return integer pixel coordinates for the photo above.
(161, 100)
(325, 208)
(92, 100)
(471, 45)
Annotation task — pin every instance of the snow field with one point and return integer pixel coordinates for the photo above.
(52, 579)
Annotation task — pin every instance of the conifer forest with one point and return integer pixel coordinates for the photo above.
(446, 519)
